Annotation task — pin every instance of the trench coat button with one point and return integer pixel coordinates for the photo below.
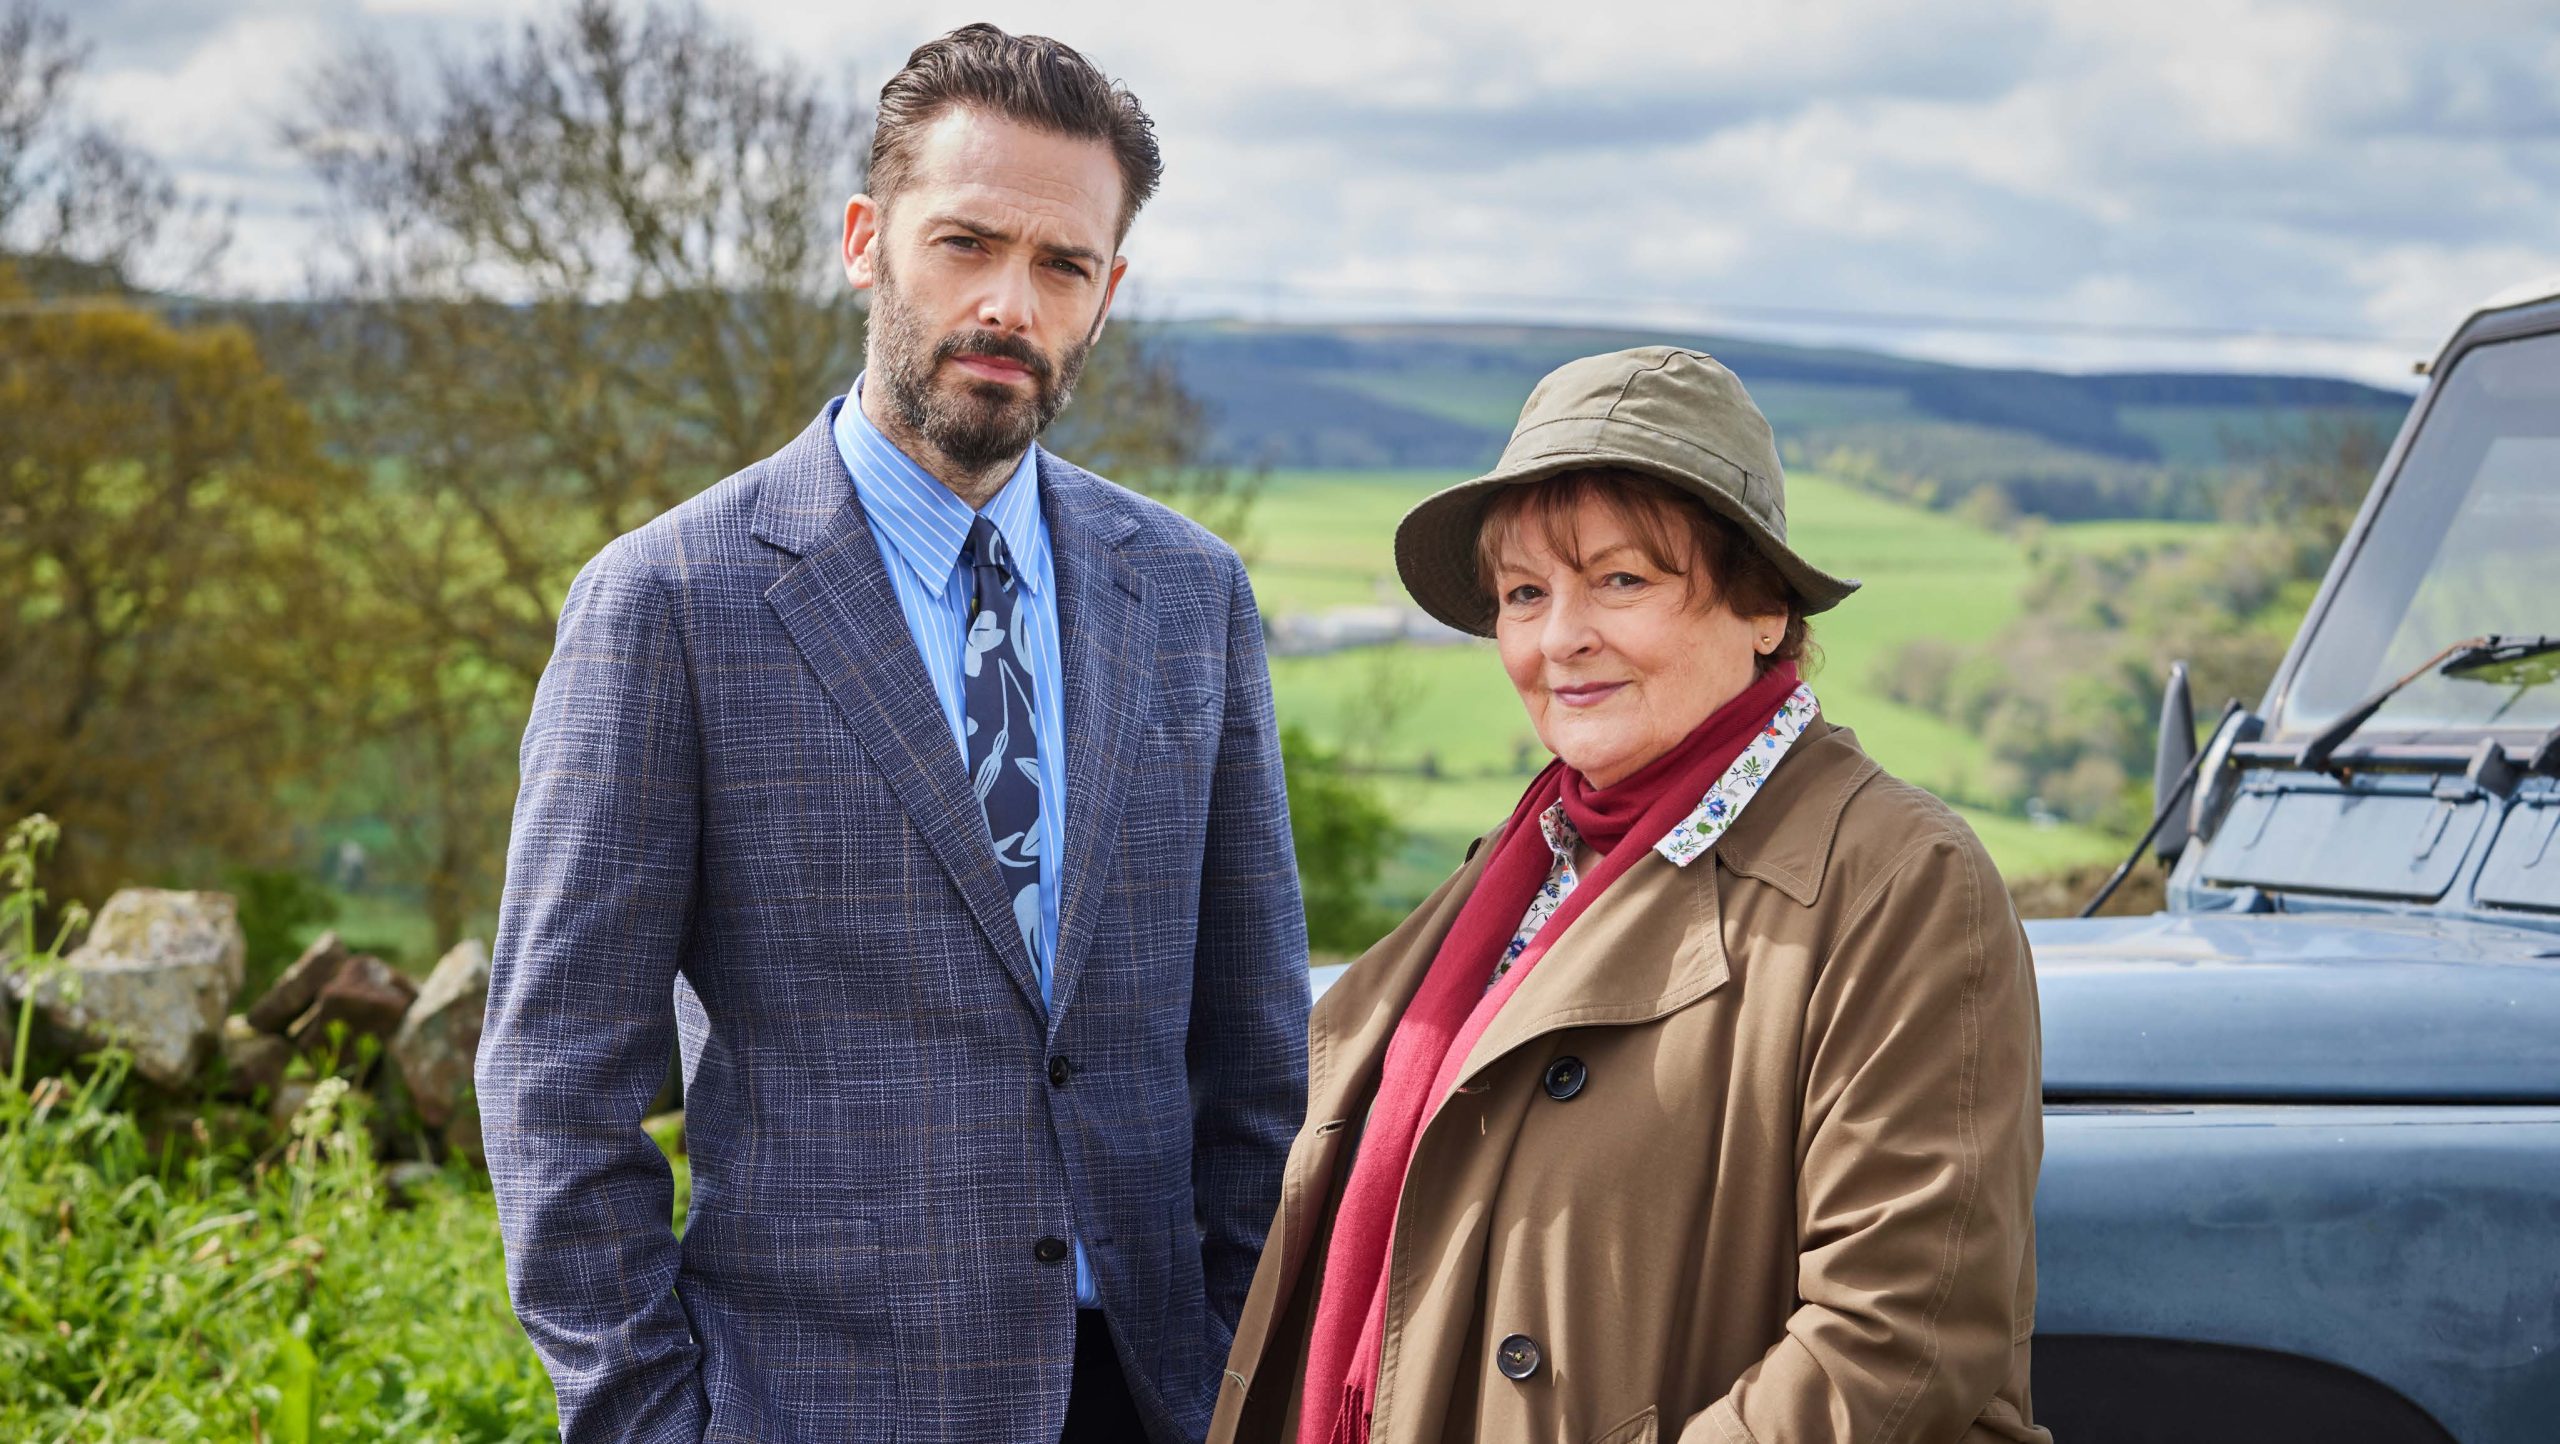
(1050, 1250)
(1517, 1357)
(1060, 1070)
(1565, 1077)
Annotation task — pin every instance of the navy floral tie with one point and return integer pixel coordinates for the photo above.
(1004, 750)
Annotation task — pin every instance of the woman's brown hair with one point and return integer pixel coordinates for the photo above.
(1676, 532)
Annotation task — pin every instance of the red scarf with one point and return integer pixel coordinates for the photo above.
(1452, 1008)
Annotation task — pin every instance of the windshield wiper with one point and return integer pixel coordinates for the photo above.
(2497, 651)
(2468, 655)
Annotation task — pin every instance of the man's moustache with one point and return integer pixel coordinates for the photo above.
(1002, 348)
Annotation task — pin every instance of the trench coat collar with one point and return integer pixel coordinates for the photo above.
(1659, 927)
(1654, 942)
(1785, 837)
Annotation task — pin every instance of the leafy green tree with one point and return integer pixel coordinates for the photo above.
(2066, 698)
(1343, 836)
(158, 489)
(161, 587)
(2308, 475)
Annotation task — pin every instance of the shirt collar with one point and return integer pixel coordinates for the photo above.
(1562, 836)
(921, 520)
(1689, 839)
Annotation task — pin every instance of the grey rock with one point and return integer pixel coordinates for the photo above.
(440, 1037)
(251, 1059)
(296, 987)
(156, 975)
(367, 994)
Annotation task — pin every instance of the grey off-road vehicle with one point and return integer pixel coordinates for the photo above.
(2302, 1129)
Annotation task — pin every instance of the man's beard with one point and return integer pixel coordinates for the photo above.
(976, 425)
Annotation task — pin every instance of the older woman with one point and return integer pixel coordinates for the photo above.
(1701, 1102)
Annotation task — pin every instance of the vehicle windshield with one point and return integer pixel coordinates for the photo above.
(2466, 543)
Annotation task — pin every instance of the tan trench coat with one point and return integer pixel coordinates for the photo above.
(1789, 1198)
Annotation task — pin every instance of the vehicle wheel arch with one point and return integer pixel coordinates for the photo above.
(2139, 1389)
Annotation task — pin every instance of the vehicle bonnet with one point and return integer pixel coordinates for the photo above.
(2326, 1007)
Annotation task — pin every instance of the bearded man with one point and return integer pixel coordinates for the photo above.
(926, 787)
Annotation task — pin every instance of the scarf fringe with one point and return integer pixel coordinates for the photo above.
(1351, 1426)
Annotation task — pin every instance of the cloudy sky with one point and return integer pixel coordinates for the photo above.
(2097, 185)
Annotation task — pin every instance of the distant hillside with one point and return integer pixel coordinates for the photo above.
(2070, 446)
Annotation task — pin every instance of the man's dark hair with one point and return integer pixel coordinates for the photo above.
(1029, 79)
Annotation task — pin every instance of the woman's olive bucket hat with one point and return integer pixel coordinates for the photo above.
(1678, 415)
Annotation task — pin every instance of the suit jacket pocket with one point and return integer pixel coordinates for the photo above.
(796, 1341)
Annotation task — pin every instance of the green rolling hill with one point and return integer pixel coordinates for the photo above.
(2065, 446)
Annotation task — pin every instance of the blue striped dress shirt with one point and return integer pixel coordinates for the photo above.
(922, 526)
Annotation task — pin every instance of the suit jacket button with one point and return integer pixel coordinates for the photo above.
(1050, 1250)
(1565, 1077)
(1517, 1357)
(1060, 1070)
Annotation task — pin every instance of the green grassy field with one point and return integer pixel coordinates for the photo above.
(1324, 539)
(2123, 536)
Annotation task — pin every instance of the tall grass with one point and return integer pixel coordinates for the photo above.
(229, 1280)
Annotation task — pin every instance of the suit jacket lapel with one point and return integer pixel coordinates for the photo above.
(843, 616)
(1107, 639)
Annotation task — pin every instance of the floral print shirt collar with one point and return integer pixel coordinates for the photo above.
(1688, 839)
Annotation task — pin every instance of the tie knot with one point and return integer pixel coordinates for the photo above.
(986, 546)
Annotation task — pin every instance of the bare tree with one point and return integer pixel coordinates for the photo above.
(617, 228)
(579, 274)
(81, 209)
(1134, 421)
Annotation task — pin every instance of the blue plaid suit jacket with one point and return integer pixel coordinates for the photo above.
(742, 819)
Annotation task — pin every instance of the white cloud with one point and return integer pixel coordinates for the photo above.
(2360, 166)
(218, 107)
